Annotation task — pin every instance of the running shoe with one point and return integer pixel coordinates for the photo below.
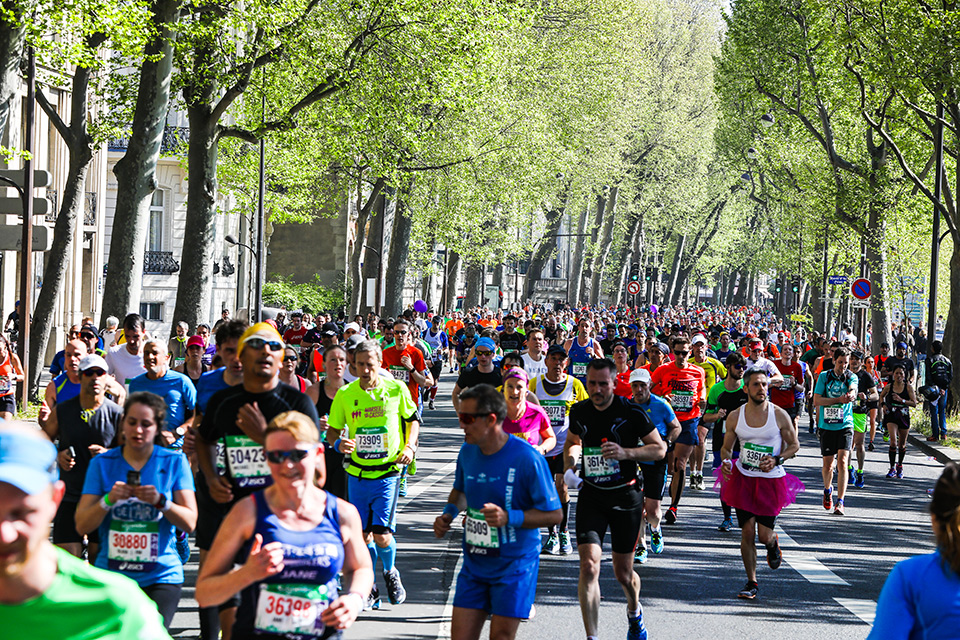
(670, 516)
(700, 484)
(432, 405)
(899, 470)
(853, 477)
(870, 446)
(635, 628)
(552, 546)
(640, 555)
(656, 540)
(183, 547)
(892, 473)
(828, 498)
(858, 483)
(726, 525)
(749, 591)
(933, 439)
(693, 481)
(373, 600)
(566, 547)
(886, 436)
(395, 590)
(838, 510)
(774, 555)
(403, 487)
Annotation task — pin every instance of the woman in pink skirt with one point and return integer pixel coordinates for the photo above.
(757, 485)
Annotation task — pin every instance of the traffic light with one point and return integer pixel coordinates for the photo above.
(796, 286)
(635, 272)
(648, 274)
(778, 285)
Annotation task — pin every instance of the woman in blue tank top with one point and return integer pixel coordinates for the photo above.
(296, 538)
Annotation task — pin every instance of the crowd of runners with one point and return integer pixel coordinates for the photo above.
(283, 447)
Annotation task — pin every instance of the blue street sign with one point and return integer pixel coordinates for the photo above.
(837, 279)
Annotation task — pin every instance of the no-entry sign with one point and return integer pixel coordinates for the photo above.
(633, 288)
(861, 289)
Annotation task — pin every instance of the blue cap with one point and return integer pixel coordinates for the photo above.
(633, 326)
(485, 342)
(28, 462)
(901, 345)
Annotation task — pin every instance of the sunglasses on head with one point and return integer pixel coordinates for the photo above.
(93, 373)
(470, 418)
(484, 353)
(260, 343)
(293, 455)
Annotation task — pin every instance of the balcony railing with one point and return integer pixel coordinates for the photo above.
(160, 263)
(89, 206)
(175, 140)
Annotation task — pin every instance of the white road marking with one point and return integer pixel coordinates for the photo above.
(863, 609)
(415, 489)
(443, 633)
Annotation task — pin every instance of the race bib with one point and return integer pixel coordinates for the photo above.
(400, 373)
(133, 543)
(482, 539)
(371, 443)
(579, 369)
(598, 469)
(178, 361)
(833, 415)
(221, 459)
(556, 411)
(247, 461)
(291, 608)
(4, 385)
(296, 347)
(787, 383)
(751, 453)
(681, 400)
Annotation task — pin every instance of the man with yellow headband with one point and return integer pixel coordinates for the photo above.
(237, 417)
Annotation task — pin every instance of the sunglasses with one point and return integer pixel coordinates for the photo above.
(88, 336)
(470, 418)
(681, 353)
(293, 455)
(484, 353)
(400, 333)
(90, 373)
(260, 343)
(736, 366)
(290, 358)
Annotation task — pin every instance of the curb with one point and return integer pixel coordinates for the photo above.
(942, 453)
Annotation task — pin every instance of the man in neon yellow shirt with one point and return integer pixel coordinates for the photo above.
(375, 422)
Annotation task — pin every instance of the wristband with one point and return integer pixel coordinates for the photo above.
(105, 504)
(336, 445)
(162, 504)
(515, 518)
(451, 510)
(363, 599)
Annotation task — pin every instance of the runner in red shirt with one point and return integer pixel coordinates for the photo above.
(406, 362)
(621, 358)
(784, 394)
(681, 383)
(294, 335)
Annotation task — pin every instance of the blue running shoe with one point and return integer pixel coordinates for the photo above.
(640, 555)
(858, 483)
(403, 487)
(853, 476)
(183, 547)
(656, 540)
(635, 628)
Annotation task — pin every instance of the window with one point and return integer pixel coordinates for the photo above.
(155, 233)
(152, 310)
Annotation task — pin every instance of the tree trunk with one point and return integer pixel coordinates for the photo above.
(371, 262)
(11, 53)
(475, 282)
(80, 145)
(590, 259)
(603, 250)
(672, 289)
(576, 274)
(396, 262)
(453, 276)
(136, 170)
(547, 245)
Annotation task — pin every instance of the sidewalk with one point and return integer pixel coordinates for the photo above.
(941, 452)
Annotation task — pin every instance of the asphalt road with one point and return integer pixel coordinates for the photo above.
(833, 569)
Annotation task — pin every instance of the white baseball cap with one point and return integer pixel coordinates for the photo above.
(640, 375)
(698, 339)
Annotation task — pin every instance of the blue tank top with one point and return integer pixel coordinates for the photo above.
(288, 605)
(579, 359)
(64, 389)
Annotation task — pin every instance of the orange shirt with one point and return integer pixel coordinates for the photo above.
(452, 327)
(686, 388)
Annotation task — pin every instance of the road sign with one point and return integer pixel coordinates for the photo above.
(837, 279)
(11, 237)
(860, 304)
(633, 288)
(833, 300)
(14, 206)
(40, 178)
(861, 289)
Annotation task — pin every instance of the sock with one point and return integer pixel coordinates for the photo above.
(565, 508)
(828, 490)
(900, 453)
(552, 530)
(388, 555)
(372, 548)
(727, 511)
(210, 623)
(893, 455)
(634, 614)
(849, 467)
(593, 638)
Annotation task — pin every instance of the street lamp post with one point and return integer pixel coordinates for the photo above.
(258, 299)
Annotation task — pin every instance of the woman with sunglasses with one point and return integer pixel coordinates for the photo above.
(334, 366)
(288, 370)
(11, 372)
(526, 420)
(138, 495)
(296, 538)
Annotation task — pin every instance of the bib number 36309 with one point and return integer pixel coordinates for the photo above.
(482, 539)
(291, 608)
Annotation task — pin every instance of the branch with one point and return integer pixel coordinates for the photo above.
(55, 118)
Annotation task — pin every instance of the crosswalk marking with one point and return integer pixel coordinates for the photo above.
(863, 609)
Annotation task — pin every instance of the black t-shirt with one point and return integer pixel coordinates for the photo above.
(939, 370)
(865, 382)
(100, 428)
(220, 422)
(510, 341)
(893, 361)
(473, 376)
(623, 422)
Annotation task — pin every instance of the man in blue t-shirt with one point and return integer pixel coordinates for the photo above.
(833, 397)
(176, 389)
(508, 493)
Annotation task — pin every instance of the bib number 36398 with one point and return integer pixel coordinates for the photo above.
(291, 608)
(482, 539)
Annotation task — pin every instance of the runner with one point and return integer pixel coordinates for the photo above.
(654, 473)
(138, 495)
(866, 396)
(176, 390)
(534, 360)
(757, 485)
(682, 385)
(510, 339)
(437, 340)
(526, 420)
(67, 384)
(723, 398)
(784, 394)
(897, 398)
(484, 373)
(940, 373)
(375, 421)
(193, 366)
(322, 393)
(833, 397)
(713, 372)
(47, 593)
(621, 358)
(126, 360)
(613, 434)
(557, 392)
(177, 345)
(504, 486)
(581, 349)
(293, 336)
(288, 370)
(406, 362)
(11, 372)
(296, 538)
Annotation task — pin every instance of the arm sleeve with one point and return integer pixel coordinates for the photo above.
(895, 609)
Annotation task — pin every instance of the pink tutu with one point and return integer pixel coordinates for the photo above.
(759, 496)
